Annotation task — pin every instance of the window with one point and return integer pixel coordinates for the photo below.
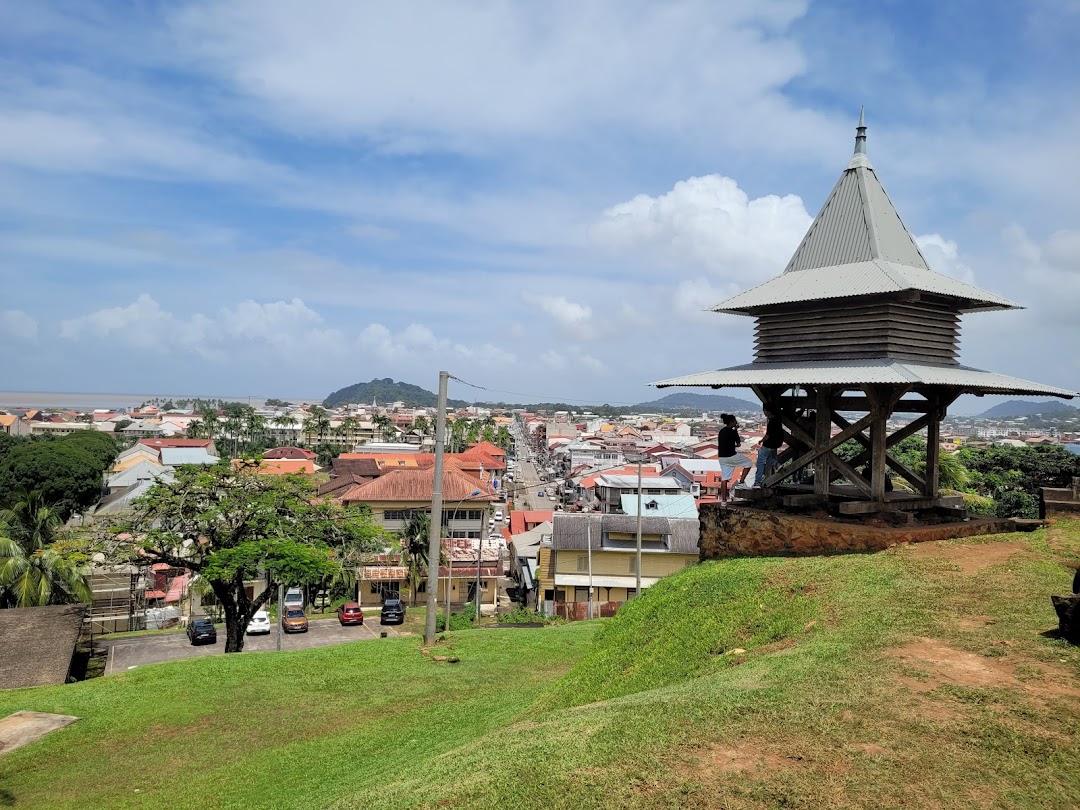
(582, 562)
(633, 564)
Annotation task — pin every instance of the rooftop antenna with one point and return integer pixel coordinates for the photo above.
(860, 133)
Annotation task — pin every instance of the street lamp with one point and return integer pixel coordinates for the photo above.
(449, 556)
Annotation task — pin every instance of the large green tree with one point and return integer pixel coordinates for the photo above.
(68, 472)
(36, 568)
(232, 526)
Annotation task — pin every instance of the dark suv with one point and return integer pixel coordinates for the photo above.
(393, 612)
(201, 631)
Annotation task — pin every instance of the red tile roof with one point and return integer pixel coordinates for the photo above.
(521, 520)
(280, 466)
(415, 486)
(288, 452)
(487, 448)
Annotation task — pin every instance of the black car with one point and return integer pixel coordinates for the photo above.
(393, 612)
(201, 631)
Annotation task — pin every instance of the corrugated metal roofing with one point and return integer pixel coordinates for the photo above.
(858, 245)
(858, 372)
(175, 456)
(873, 277)
(682, 505)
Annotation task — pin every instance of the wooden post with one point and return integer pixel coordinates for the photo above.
(933, 451)
(822, 431)
(877, 446)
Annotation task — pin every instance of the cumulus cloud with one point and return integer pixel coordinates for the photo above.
(290, 328)
(574, 319)
(709, 223)
(15, 323)
(417, 342)
(943, 256)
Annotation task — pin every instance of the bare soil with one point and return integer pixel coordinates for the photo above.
(970, 558)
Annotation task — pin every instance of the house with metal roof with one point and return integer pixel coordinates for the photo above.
(859, 322)
(591, 560)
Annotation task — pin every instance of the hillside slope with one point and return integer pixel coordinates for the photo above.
(914, 677)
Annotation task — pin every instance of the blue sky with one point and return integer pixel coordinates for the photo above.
(251, 197)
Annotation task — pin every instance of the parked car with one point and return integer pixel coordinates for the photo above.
(542, 494)
(393, 612)
(201, 631)
(350, 613)
(294, 597)
(259, 624)
(498, 515)
(294, 620)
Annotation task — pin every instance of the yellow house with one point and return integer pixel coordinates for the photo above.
(598, 552)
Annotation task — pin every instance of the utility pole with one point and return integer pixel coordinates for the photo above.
(588, 545)
(435, 533)
(479, 557)
(637, 567)
(280, 617)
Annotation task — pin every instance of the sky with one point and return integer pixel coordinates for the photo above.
(264, 198)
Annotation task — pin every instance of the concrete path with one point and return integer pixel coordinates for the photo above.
(20, 728)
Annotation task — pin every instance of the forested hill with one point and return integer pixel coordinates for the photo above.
(383, 391)
(688, 400)
(1015, 408)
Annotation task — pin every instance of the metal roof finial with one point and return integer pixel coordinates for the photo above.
(860, 133)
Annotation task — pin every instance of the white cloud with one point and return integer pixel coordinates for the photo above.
(461, 74)
(574, 319)
(943, 256)
(709, 223)
(15, 323)
(290, 329)
(367, 232)
(418, 346)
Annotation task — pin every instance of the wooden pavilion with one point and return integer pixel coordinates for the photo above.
(858, 322)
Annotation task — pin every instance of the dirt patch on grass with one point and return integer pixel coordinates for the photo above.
(971, 623)
(744, 758)
(970, 558)
(947, 665)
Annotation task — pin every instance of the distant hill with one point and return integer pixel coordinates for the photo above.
(383, 391)
(688, 400)
(1015, 408)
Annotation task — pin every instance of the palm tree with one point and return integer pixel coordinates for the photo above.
(383, 423)
(316, 424)
(211, 423)
(414, 548)
(34, 570)
(350, 424)
(196, 429)
(256, 429)
(503, 438)
(421, 425)
(288, 421)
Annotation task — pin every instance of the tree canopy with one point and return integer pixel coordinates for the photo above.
(67, 471)
(231, 527)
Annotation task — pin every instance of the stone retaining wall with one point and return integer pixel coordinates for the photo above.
(748, 532)
(1055, 502)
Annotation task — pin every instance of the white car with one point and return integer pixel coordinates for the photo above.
(294, 597)
(553, 498)
(259, 624)
(498, 515)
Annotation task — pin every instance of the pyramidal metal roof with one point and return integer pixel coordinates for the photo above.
(858, 245)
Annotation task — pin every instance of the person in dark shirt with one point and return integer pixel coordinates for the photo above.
(727, 444)
(774, 438)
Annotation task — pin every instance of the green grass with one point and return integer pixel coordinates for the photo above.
(649, 709)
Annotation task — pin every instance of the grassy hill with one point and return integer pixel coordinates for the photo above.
(914, 677)
(1015, 408)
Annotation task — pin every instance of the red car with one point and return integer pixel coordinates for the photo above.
(350, 613)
